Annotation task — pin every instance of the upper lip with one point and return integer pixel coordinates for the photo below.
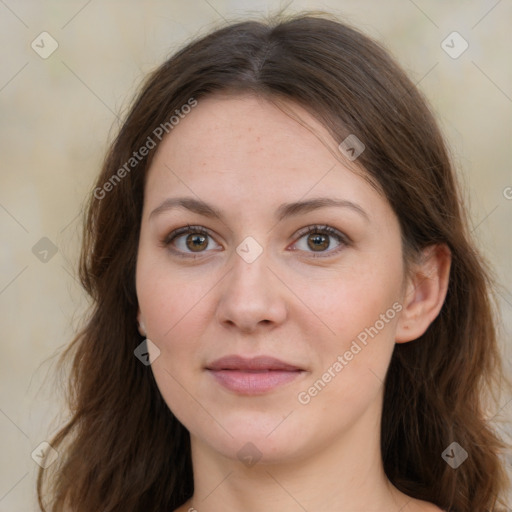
(236, 362)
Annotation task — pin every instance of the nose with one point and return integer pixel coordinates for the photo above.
(251, 296)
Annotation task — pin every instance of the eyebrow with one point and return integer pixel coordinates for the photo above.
(284, 211)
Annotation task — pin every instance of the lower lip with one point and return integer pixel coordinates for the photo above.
(253, 383)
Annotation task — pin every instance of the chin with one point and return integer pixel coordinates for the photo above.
(251, 439)
(250, 450)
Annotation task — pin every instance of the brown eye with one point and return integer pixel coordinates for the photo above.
(188, 240)
(197, 242)
(318, 240)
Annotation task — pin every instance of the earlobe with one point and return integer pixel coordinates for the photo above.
(426, 291)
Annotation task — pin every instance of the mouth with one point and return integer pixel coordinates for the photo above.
(252, 376)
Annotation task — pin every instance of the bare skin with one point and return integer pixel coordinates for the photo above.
(303, 306)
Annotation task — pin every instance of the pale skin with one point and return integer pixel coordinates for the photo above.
(245, 157)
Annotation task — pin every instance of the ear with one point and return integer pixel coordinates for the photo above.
(425, 292)
(140, 323)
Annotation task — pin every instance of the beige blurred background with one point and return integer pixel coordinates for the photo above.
(58, 113)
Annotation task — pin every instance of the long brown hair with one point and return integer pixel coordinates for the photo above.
(123, 449)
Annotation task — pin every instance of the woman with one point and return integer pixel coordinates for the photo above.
(289, 312)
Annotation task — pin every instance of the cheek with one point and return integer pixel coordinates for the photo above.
(351, 365)
(171, 305)
(169, 300)
(362, 309)
(354, 300)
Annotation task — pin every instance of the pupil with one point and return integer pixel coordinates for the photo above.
(196, 241)
(317, 241)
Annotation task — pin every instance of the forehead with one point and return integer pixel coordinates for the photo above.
(247, 148)
(235, 131)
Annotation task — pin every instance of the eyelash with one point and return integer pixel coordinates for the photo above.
(324, 230)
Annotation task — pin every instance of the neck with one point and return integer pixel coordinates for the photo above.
(345, 475)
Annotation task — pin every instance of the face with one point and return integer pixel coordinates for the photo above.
(316, 287)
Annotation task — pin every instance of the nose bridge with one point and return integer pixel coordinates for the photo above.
(251, 294)
(250, 275)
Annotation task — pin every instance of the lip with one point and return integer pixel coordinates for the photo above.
(252, 376)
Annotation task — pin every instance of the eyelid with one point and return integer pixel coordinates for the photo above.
(342, 238)
(176, 233)
(319, 228)
(185, 229)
